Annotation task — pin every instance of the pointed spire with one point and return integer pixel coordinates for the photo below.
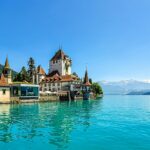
(7, 64)
(60, 46)
(86, 78)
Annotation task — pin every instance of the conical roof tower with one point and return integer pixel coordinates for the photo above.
(7, 66)
(7, 71)
(86, 79)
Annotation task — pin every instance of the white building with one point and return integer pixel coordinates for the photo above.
(59, 77)
(61, 63)
(4, 90)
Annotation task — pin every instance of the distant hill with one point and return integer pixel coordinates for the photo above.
(144, 92)
(1, 68)
(14, 73)
(126, 87)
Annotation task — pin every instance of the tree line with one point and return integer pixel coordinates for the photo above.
(26, 75)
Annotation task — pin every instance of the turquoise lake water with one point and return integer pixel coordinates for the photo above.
(111, 123)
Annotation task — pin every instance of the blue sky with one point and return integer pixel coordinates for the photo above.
(111, 36)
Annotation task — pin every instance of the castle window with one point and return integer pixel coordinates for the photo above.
(4, 91)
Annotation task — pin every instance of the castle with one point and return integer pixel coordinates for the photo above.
(58, 80)
(59, 77)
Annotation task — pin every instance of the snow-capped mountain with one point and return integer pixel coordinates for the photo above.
(124, 86)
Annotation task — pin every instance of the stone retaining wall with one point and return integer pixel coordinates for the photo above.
(49, 98)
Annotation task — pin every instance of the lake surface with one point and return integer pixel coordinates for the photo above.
(111, 123)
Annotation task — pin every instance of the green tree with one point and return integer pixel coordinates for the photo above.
(31, 68)
(90, 80)
(22, 75)
(18, 78)
(96, 88)
(75, 74)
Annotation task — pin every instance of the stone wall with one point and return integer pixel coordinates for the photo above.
(49, 98)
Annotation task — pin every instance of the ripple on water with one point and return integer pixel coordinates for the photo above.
(114, 122)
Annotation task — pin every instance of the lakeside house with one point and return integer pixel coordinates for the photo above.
(14, 91)
(4, 90)
(24, 91)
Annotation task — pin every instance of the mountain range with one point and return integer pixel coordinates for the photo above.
(125, 87)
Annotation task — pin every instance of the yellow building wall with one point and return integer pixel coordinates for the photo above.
(4, 98)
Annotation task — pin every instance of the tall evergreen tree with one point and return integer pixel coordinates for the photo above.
(18, 78)
(31, 69)
(90, 80)
(24, 74)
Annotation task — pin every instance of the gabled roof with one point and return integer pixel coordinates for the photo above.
(58, 55)
(57, 78)
(40, 70)
(67, 78)
(3, 81)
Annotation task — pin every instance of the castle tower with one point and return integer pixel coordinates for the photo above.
(86, 87)
(7, 72)
(86, 79)
(60, 63)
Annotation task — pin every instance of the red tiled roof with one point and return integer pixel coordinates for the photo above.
(87, 84)
(40, 70)
(58, 78)
(59, 55)
(3, 81)
(67, 78)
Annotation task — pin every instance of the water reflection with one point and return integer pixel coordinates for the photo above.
(50, 122)
(5, 121)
